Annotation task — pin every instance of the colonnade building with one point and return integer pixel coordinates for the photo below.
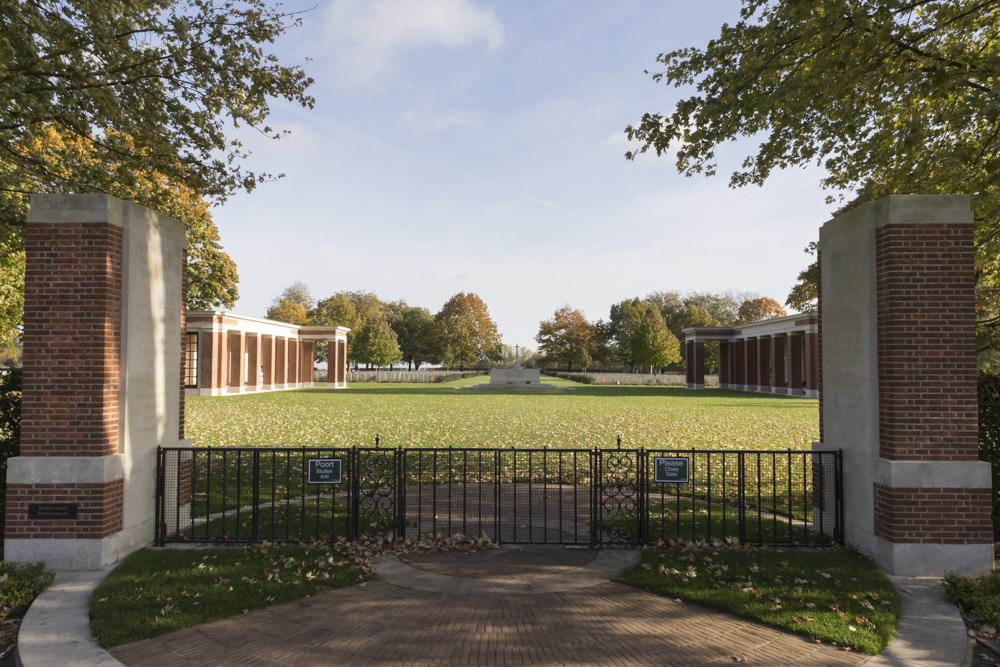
(779, 356)
(225, 353)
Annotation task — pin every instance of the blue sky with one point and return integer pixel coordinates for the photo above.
(467, 145)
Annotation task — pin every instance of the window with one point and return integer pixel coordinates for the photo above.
(191, 360)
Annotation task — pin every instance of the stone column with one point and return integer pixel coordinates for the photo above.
(899, 383)
(102, 338)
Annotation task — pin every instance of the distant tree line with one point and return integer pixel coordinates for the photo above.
(638, 334)
(383, 333)
(642, 334)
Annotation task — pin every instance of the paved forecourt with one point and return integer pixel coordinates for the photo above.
(514, 605)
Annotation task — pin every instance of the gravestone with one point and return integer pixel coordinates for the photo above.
(102, 385)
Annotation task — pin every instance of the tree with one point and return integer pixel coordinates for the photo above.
(211, 274)
(652, 343)
(337, 311)
(416, 336)
(466, 330)
(145, 91)
(889, 96)
(805, 293)
(288, 311)
(762, 308)
(298, 292)
(376, 344)
(568, 338)
(616, 334)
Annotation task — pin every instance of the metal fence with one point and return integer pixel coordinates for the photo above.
(588, 497)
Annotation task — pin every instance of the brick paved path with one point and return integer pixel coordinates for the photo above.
(380, 623)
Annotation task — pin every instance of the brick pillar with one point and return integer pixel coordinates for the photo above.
(293, 363)
(103, 325)
(750, 364)
(763, 363)
(689, 364)
(725, 379)
(796, 379)
(342, 363)
(739, 365)
(779, 384)
(267, 362)
(899, 383)
(308, 361)
(812, 364)
(280, 366)
(253, 362)
(696, 364)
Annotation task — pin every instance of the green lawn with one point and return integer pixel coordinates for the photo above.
(440, 415)
(834, 595)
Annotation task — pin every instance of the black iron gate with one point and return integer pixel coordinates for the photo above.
(587, 497)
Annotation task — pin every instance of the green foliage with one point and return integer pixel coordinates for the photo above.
(376, 344)
(833, 595)
(20, 583)
(337, 311)
(153, 592)
(980, 596)
(888, 96)
(434, 415)
(805, 293)
(416, 335)
(652, 343)
(466, 331)
(10, 430)
(617, 332)
(298, 292)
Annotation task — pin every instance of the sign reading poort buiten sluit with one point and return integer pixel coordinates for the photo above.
(325, 471)
(674, 470)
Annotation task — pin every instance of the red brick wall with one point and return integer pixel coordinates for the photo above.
(99, 510)
(72, 336)
(926, 344)
(933, 515)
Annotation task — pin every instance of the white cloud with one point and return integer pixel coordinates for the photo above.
(368, 36)
(428, 122)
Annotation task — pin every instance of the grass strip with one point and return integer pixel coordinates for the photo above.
(833, 595)
(153, 592)
(979, 597)
(20, 584)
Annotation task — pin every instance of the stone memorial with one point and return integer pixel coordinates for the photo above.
(516, 377)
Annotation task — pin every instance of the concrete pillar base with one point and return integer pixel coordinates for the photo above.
(692, 385)
(967, 560)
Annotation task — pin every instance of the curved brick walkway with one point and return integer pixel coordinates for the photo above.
(514, 605)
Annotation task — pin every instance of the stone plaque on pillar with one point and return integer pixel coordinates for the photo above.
(103, 319)
(899, 383)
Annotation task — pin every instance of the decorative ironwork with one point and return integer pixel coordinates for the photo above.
(537, 496)
(376, 489)
(619, 495)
